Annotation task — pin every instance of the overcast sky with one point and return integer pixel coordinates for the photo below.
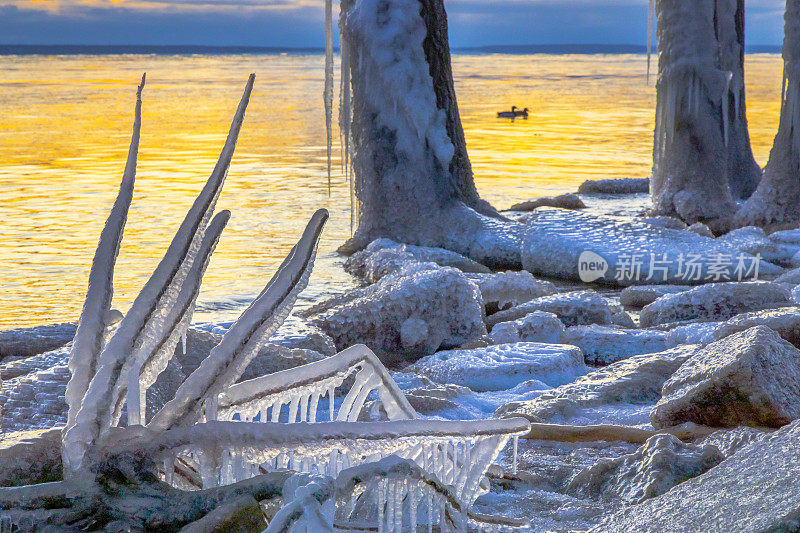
(298, 23)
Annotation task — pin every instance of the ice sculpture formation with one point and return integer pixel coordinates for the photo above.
(216, 433)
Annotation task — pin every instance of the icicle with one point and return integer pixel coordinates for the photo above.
(329, 83)
(312, 416)
(650, 13)
(183, 339)
(331, 392)
(516, 445)
(381, 501)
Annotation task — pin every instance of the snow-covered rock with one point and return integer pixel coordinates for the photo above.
(573, 308)
(603, 345)
(701, 229)
(785, 321)
(507, 289)
(620, 317)
(749, 378)
(503, 366)
(26, 342)
(715, 301)
(577, 245)
(406, 317)
(658, 465)
(637, 296)
(753, 240)
(383, 256)
(754, 490)
(622, 392)
(538, 326)
(563, 201)
(664, 222)
(791, 277)
(615, 186)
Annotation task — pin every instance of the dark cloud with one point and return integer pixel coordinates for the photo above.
(285, 23)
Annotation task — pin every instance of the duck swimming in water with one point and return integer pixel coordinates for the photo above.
(514, 113)
(508, 114)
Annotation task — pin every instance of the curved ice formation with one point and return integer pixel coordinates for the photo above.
(302, 388)
(574, 245)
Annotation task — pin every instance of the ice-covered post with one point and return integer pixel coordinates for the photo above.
(413, 179)
(699, 112)
(777, 200)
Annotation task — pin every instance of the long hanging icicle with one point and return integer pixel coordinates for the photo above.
(328, 93)
(650, 12)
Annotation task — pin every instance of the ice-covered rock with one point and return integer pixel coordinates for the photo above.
(790, 236)
(563, 201)
(615, 186)
(664, 222)
(243, 514)
(785, 321)
(714, 301)
(730, 441)
(658, 465)
(26, 342)
(753, 240)
(607, 393)
(696, 333)
(30, 457)
(572, 308)
(620, 317)
(296, 333)
(637, 296)
(754, 490)
(577, 245)
(444, 301)
(701, 229)
(383, 256)
(791, 277)
(503, 366)
(507, 289)
(749, 378)
(603, 345)
(538, 326)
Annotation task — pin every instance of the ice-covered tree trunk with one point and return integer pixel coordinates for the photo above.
(743, 171)
(701, 153)
(413, 180)
(777, 200)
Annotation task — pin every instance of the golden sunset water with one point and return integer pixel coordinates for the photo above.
(65, 124)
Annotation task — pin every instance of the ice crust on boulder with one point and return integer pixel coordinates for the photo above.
(753, 240)
(572, 308)
(538, 326)
(715, 301)
(785, 321)
(602, 345)
(729, 441)
(449, 305)
(749, 378)
(638, 296)
(624, 385)
(503, 366)
(508, 289)
(27, 342)
(298, 333)
(698, 333)
(658, 465)
(635, 253)
(701, 229)
(383, 256)
(790, 236)
(30, 457)
(753, 490)
(563, 201)
(615, 186)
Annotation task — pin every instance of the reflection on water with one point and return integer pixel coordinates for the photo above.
(65, 126)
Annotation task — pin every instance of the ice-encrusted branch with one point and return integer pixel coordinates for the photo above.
(144, 326)
(143, 372)
(91, 326)
(228, 360)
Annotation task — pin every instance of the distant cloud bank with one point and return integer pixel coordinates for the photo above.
(298, 23)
